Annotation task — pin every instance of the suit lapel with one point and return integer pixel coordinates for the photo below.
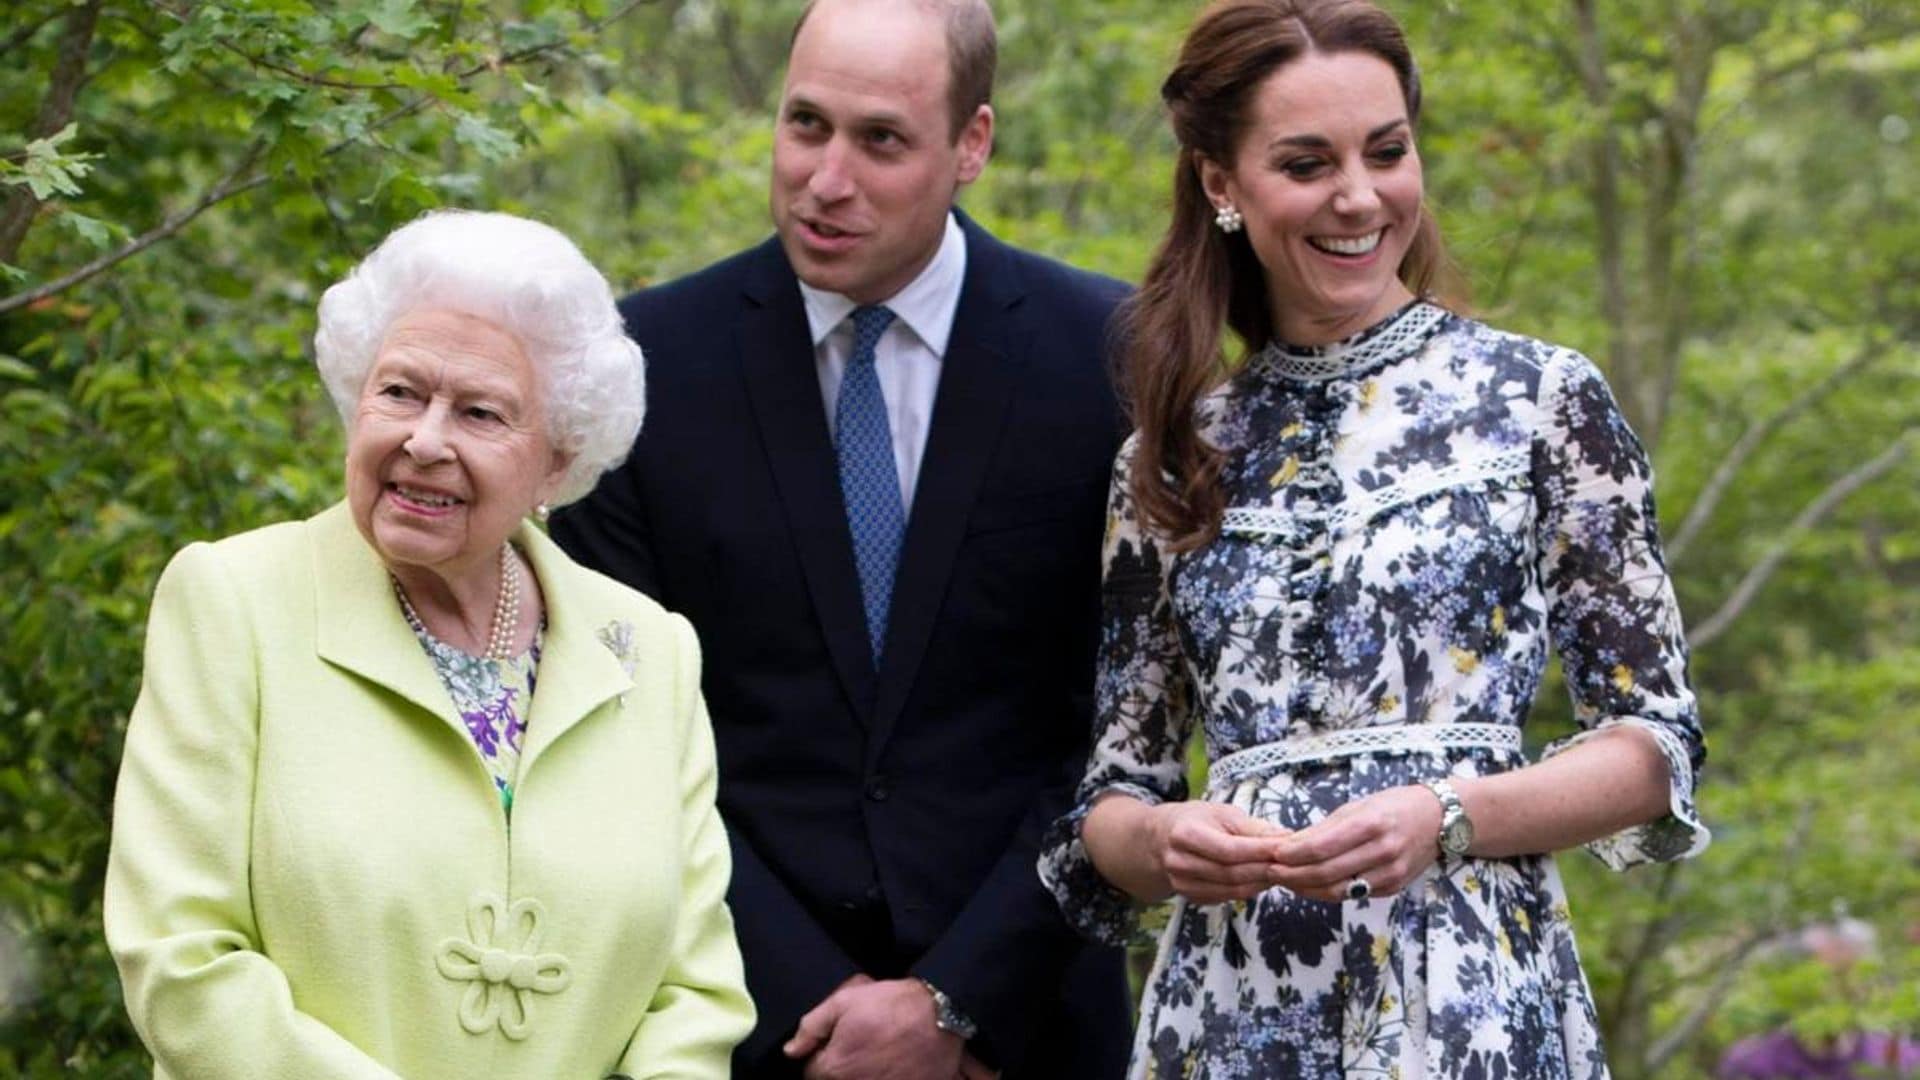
(977, 378)
(776, 360)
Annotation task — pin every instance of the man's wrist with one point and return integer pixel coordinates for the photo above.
(947, 1016)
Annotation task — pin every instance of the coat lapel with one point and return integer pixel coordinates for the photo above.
(977, 378)
(360, 627)
(587, 651)
(776, 361)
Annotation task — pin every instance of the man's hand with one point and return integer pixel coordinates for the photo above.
(868, 1030)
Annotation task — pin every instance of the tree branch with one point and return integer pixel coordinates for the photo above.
(750, 90)
(1604, 187)
(63, 87)
(305, 77)
(233, 184)
(1651, 940)
(1865, 41)
(27, 30)
(1755, 437)
(227, 187)
(1822, 505)
(1676, 1038)
(1670, 180)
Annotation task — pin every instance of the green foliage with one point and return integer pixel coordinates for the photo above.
(222, 163)
(46, 170)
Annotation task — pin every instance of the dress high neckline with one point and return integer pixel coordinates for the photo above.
(1399, 335)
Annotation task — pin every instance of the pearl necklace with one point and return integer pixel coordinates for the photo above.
(506, 608)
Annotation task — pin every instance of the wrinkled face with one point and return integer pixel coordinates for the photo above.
(865, 164)
(449, 447)
(1329, 182)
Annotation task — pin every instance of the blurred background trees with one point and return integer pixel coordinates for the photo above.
(1718, 199)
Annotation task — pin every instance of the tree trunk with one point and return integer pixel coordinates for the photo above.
(63, 87)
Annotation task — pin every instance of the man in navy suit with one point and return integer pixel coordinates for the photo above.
(873, 476)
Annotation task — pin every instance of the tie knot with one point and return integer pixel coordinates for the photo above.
(868, 324)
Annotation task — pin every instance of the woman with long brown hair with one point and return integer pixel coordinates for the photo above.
(1343, 557)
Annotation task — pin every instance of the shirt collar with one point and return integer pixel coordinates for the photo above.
(926, 305)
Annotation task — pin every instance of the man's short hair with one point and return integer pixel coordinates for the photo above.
(973, 52)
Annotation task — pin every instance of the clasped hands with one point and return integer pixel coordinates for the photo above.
(1211, 853)
(871, 1029)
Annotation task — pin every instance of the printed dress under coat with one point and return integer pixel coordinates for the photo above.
(1414, 514)
(493, 698)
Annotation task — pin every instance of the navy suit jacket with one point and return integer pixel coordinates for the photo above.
(886, 821)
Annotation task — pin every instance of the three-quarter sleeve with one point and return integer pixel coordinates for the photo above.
(1142, 713)
(179, 907)
(1611, 606)
(700, 1009)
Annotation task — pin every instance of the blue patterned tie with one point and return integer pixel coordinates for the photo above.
(869, 479)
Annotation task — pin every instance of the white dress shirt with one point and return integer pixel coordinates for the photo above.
(907, 359)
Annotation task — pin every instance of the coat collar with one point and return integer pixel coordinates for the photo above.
(360, 628)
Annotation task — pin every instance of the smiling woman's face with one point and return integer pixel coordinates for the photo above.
(449, 447)
(1329, 182)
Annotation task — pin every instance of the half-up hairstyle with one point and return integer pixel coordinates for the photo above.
(1202, 279)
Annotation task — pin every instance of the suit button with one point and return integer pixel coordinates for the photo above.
(877, 790)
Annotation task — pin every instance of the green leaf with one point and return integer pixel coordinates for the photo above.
(47, 171)
(401, 18)
(96, 233)
(488, 141)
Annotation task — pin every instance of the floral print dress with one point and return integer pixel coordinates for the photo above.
(493, 698)
(1414, 514)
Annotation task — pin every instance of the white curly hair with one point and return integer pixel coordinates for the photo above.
(522, 276)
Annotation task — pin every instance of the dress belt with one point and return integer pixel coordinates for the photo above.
(1347, 742)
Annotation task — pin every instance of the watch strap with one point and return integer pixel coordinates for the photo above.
(1452, 812)
(947, 1016)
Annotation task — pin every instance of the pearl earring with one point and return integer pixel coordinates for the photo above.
(542, 512)
(1228, 219)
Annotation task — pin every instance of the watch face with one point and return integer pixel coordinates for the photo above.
(1457, 835)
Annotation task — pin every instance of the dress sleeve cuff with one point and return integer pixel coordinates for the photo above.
(1090, 903)
(1679, 834)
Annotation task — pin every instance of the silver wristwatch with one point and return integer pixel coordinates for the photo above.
(948, 1017)
(1456, 828)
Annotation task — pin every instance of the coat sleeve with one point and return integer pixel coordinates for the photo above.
(178, 909)
(1610, 603)
(701, 1009)
(795, 963)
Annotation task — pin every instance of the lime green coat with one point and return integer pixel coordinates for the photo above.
(312, 876)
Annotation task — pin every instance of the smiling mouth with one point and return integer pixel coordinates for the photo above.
(1348, 245)
(826, 231)
(432, 500)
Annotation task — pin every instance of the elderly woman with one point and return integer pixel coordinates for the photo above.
(1343, 561)
(407, 792)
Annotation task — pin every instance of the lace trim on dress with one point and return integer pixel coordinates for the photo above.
(1268, 522)
(1398, 335)
(1347, 742)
